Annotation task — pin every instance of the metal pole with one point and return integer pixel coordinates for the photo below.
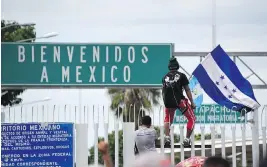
(212, 129)
(252, 71)
(213, 24)
(3, 115)
(172, 145)
(255, 140)
(223, 140)
(193, 144)
(96, 144)
(30, 39)
(162, 140)
(234, 146)
(116, 142)
(48, 35)
(106, 132)
(258, 136)
(182, 139)
(202, 140)
(264, 141)
(244, 149)
(80, 101)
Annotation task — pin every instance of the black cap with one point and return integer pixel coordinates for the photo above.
(173, 64)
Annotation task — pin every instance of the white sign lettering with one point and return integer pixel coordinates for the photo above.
(112, 74)
(80, 64)
(37, 144)
(43, 54)
(65, 74)
(78, 73)
(21, 54)
(44, 76)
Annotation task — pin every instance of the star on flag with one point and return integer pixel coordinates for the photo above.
(226, 87)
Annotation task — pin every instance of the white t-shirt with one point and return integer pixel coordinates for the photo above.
(145, 139)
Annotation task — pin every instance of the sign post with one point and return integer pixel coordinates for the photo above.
(77, 65)
(37, 144)
(211, 113)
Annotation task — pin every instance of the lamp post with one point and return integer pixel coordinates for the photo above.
(48, 35)
(22, 24)
(27, 103)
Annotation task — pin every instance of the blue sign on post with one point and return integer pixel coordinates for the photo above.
(37, 144)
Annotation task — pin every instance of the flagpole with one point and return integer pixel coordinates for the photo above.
(213, 24)
(255, 139)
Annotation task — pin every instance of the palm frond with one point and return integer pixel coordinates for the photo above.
(114, 91)
(146, 103)
(153, 95)
(117, 99)
(139, 99)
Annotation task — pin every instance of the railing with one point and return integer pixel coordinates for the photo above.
(101, 120)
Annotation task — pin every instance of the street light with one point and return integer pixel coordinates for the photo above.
(51, 34)
(48, 35)
(17, 24)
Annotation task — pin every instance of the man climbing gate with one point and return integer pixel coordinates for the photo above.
(173, 84)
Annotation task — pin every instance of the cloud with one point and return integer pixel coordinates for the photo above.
(137, 12)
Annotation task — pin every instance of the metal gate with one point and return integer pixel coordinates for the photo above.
(233, 142)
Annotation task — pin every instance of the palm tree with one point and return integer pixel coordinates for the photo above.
(133, 103)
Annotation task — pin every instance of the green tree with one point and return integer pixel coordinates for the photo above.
(197, 137)
(142, 99)
(13, 34)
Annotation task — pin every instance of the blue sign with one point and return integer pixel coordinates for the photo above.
(37, 144)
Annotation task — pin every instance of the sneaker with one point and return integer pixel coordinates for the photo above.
(186, 142)
(167, 140)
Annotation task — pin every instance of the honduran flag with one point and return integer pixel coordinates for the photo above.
(220, 78)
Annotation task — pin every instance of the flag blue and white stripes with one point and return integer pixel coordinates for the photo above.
(220, 78)
(196, 90)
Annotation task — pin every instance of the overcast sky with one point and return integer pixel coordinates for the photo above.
(241, 26)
